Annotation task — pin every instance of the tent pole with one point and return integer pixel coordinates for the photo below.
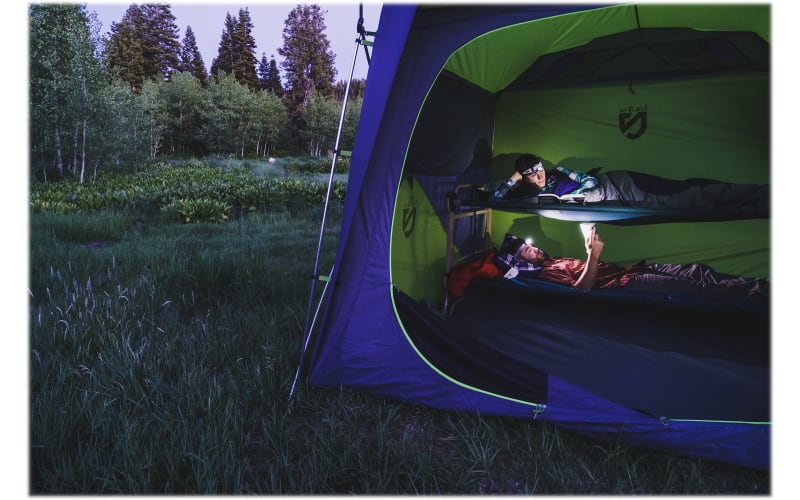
(309, 323)
(307, 337)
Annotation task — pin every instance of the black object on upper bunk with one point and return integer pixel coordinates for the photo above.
(615, 212)
(679, 360)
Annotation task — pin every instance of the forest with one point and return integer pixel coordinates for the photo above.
(141, 93)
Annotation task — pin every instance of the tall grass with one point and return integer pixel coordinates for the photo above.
(161, 357)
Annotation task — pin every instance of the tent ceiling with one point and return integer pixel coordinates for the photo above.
(650, 54)
(497, 59)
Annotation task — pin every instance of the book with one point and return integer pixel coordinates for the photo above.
(564, 198)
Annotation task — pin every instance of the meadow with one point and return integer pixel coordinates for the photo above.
(161, 355)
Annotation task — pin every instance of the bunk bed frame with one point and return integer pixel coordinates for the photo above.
(674, 343)
(479, 212)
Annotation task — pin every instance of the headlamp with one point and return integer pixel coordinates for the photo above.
(532, 170)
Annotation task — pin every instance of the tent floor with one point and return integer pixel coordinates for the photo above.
(679, 363)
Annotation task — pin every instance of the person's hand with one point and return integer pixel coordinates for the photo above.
(594, 245)
(503, 189)
(516, 177)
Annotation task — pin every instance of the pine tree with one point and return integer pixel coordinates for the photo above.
(244, 64)
(308, 63)
(191, 60)
(161, 41)
(263, 72)
(357, 88)
(274, 79)
(223, 63)
(236, 53)
(124, 51)
(144, 44)
(268, 77)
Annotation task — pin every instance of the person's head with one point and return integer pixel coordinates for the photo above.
(530, 253)
(531, 168)
(526, 252)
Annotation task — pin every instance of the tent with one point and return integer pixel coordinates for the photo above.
(454, 93)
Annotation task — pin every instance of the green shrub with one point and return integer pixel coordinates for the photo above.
(323, 166)
(53, 206)
(234, 190)
(202, 210)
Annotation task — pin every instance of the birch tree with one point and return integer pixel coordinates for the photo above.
(64, 78)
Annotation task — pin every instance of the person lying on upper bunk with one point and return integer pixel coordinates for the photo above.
(516, 257)
(531, 179)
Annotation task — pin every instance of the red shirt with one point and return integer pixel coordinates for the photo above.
(566, 271)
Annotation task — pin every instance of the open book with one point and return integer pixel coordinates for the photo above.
(564, 198)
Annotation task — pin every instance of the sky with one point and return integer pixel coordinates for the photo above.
(207, 20)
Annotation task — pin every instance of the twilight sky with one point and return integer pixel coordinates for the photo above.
(207, 20)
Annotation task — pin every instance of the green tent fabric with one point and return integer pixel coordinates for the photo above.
(480, 63)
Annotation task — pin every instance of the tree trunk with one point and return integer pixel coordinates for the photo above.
(258, 145)
(59, 161)
(43, 161)
(83, 152)
(74, 150)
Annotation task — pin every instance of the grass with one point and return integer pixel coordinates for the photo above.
(161, 357)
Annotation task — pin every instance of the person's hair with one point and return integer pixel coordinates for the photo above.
(525, 161)
(514, 246)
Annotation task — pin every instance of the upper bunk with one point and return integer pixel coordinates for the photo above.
(466, 198)
(576, 209)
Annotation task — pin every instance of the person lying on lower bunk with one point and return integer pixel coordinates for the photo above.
(531, 179)
(516, 257)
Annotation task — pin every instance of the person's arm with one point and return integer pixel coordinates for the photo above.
(594, 247)
(507, 186)
(586, 182)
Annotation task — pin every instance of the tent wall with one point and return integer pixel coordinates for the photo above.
(733, 247)
(716, 128)
(418, 239)
(454, 131)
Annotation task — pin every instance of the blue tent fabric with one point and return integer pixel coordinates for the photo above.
(362, 344)
(733, 442)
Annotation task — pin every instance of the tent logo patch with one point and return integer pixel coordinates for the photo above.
(409, 219)
(409, 213)
(633, 121)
